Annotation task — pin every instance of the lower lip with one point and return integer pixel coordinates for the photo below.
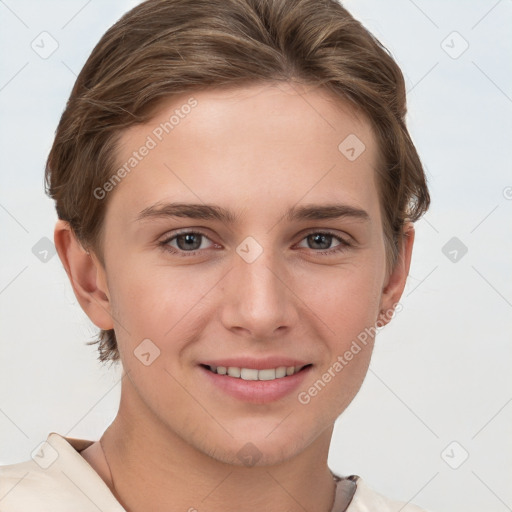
(257, 391)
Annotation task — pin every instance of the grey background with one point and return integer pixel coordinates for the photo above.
(439, 385)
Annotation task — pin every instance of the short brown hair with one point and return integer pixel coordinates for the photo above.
(163, 48)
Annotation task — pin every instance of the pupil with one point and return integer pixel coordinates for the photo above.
(190, 243)
(319, 238)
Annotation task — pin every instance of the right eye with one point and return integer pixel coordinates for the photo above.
(186, 243)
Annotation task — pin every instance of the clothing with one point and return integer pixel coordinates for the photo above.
(62, 481)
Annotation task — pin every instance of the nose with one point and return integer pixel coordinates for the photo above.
(258, 301)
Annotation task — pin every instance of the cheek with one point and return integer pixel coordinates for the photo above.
(345, 302)
(345, 298)
(159, 302)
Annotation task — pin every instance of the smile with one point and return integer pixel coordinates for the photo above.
(254, 374)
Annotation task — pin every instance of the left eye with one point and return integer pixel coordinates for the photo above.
(322, 241)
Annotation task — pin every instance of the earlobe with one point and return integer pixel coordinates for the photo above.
(395, 284)
(86, 274)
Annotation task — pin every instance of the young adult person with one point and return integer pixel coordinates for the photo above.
(236, 190)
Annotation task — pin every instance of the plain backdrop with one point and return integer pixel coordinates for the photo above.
(431, 423)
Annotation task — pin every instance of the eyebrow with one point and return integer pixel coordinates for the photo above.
(214, 212)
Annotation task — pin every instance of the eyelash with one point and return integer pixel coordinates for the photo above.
(342, 246)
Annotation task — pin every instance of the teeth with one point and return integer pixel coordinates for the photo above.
(234, 372)
(267, 374)
(248, 374)
(253, 374)
(281, 372)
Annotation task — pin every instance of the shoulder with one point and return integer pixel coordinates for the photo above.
(366, 499)
(25, 486)
(55, 479)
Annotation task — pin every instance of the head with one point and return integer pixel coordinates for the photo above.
(262, 109)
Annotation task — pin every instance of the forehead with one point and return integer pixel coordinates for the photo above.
(248, 143)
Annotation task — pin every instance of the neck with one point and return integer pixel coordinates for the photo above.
(152, 468)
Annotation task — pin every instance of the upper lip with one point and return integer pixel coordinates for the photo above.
(256, 363)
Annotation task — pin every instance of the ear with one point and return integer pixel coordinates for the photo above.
(86, 274)
(397, 277)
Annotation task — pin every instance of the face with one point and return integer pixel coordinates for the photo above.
(280, 263)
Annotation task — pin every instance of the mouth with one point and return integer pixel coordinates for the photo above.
(248, 374)
(273, 379)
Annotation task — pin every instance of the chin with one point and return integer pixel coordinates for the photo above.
(252, 455)
(259, 447)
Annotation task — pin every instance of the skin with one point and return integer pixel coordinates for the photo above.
(257, 150)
